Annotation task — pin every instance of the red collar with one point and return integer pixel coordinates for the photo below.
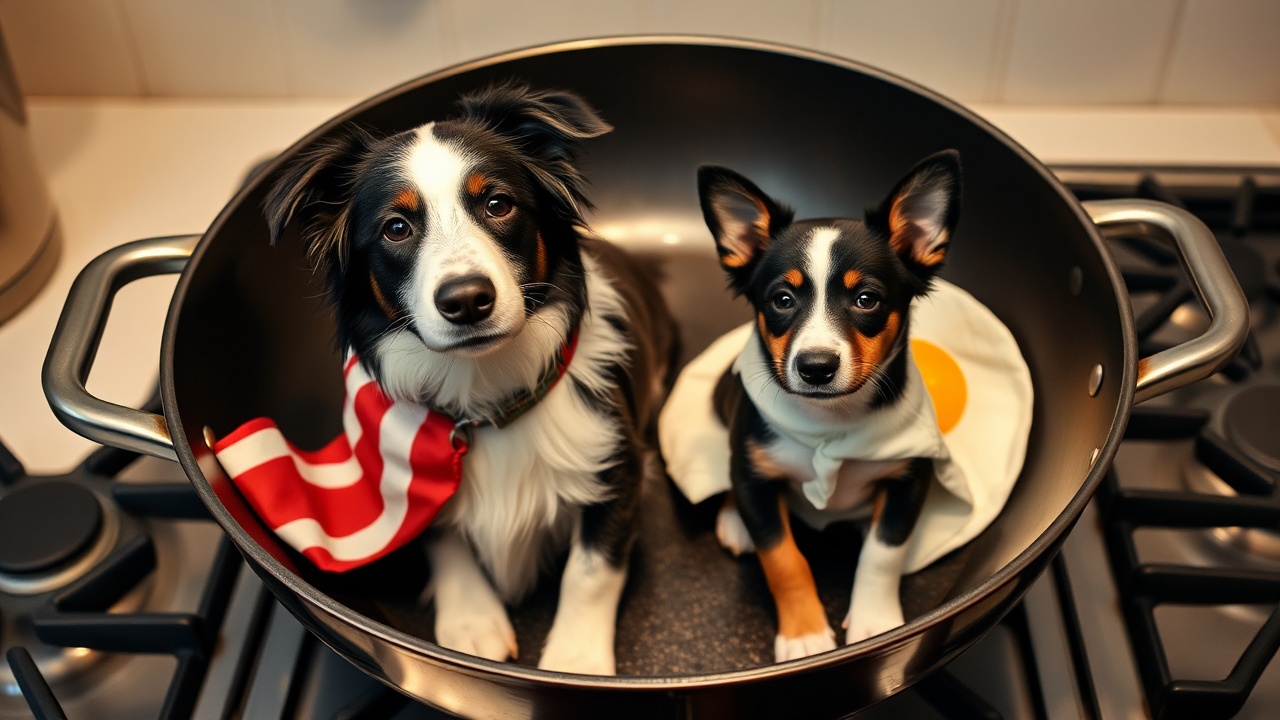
(523, 402)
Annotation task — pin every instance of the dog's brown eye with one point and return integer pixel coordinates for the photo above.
(396, 230)
(866, 301)
(498, 206)
(783, 300)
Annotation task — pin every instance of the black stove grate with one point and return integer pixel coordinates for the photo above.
(76, 615)
(1144, 586)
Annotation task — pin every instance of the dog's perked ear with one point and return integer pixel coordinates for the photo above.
(548, 127)
(742, 219)
(314, 191)
(921, 213)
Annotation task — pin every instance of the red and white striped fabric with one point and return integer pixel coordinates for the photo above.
(372, 489)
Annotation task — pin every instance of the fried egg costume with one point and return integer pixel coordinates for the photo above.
(964, 360)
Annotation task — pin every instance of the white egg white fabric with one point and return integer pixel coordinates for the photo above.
(977, 462)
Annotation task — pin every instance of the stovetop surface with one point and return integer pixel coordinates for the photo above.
(1069, 650)
(1193, 627)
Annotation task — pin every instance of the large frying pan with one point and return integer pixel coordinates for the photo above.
(247, 336)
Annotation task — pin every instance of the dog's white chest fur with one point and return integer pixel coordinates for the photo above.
(522, 485)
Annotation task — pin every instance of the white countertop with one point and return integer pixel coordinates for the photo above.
(120, 171)
(127, 169)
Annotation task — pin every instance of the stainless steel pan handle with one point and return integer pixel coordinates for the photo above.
(75, 344)
(1211, 278)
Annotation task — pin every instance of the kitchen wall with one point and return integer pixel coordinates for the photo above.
(1222, 52)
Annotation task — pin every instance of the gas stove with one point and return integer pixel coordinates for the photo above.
(1187, 519)
(119, 598)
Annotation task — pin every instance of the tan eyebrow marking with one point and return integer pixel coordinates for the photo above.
(477, 183)
(851, 278)
(408, 200)
(795, 277)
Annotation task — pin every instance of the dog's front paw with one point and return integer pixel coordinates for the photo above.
(479, 628)
(732, 532)
(790, 648)
(578, 652)
(864, 624)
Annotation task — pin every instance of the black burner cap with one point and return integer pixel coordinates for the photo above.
(46, 523)
(1249, 267)
(1253, 422)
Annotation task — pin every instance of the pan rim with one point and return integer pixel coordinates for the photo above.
(512, 673)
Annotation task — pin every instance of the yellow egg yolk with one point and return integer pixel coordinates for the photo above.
(944, 381)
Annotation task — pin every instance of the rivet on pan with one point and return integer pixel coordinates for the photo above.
(1075, 280)
(1095, 380)
(1094, 457)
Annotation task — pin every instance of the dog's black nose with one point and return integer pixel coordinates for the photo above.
(817, 368)
(466, 300)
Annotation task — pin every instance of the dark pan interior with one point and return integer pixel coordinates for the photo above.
(253, 338)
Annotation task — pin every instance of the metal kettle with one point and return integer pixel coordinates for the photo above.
(29, 241)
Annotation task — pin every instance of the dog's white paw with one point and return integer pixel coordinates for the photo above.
(732, 532)
(870, 622)
(578, 652)
(479, 628)
(790, 648)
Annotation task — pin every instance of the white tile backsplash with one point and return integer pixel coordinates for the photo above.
(1097, 52)
(947, 46)
(70, 47)
(1226, 52)
(354, 48)
(196, 47)
(1138, 136)
(1088, 51)
(485, 27)
(792, 23)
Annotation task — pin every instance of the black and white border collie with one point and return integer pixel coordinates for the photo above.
(830, 349)
(456, 259)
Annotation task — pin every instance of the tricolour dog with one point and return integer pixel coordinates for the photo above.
(455, 257)
(829, 354)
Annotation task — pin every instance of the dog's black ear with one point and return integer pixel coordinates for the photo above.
(548, 126)
(314, 191)
(742, 219)
(921, 213)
